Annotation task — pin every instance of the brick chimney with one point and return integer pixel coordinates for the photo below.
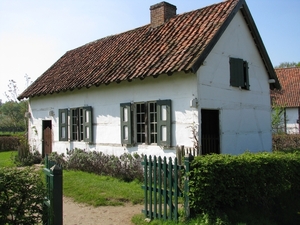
(161, 12)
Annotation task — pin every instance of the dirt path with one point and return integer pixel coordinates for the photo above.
(75, 214)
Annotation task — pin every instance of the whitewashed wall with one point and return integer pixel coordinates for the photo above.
(105, 100)
(245, 116)
(292, 115)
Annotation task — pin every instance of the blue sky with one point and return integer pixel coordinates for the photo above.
(36, 33)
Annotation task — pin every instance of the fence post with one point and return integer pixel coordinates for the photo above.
(57, 195)
(53, 202)
(187, 159)
(145, 163)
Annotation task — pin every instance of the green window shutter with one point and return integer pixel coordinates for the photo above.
(71, 124)
(236, 72)
(125, 119)
(63, 124)
(246, 75)
(164, 122)
(88, 124)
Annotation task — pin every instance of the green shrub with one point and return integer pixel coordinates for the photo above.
(21, 196)
(33, 157)
(126, 167)
(8, 143)
(286, 142)
(26, 156)
(256, 182)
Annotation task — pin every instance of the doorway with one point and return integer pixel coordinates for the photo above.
(47, 138)
(210, 131)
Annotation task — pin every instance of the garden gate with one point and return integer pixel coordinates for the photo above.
(162, 181)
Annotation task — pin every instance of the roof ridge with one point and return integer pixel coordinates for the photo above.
(149, 24)
(180, 44)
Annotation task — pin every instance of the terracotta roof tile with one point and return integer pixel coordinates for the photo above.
(174, 46)
(289, 95)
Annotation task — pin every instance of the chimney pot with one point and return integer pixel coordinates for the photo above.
(162, 12)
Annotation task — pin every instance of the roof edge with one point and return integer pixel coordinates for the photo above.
(260, 46)
(217, 36)
(242, 5)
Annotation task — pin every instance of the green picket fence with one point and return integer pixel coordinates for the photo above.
(163, 187)
(53, 202)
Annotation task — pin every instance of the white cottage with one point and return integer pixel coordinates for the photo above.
(146, 90)
(288, 98)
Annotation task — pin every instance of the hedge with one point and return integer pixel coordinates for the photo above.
(21, 196)
(8, 143)
(286, 142)
(264, 182)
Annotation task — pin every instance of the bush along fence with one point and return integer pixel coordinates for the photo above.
(265, 186)
(163, 185)
(261, 186)
(53, 202)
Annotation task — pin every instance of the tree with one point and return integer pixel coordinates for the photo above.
(12, 112)
(12, 116)
(288, 65)
(278, 123)
(12, 94)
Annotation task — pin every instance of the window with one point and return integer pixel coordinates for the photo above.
(146, 122)
(63, 125)
(80, 124)
(239, 76)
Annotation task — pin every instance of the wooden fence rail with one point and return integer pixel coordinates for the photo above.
(163, 187)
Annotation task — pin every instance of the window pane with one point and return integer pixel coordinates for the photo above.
(81, 124)
(75, 124)
(152, 122)
(153, 117)
(140, 125)
(143, 108)
(164, 133)
(63, 132)
(153, 128)
(125, 132)
(152, 107)
(163, 112)
(87, 117)
(87, 132)
(143, 138)
(63, 117)
(125, 114)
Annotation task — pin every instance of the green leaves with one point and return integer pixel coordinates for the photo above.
(21, 196)
(222, 181)
(12, 116)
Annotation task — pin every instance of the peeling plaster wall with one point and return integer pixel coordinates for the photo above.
(105, 100)
(245, 115)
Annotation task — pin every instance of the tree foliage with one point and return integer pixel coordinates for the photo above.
(12, 116)
(278, 123)
(288, 65)
(12, 112)
(12, 93)
(21, 196)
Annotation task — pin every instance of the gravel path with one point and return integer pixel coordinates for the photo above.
(75, 214)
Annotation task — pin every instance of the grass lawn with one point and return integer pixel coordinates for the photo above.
(90, 188)
(98, 190)
(6, 158)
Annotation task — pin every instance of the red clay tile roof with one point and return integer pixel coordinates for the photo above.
(180, 44)
(289, 96)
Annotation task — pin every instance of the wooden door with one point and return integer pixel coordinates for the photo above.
(47, 138)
